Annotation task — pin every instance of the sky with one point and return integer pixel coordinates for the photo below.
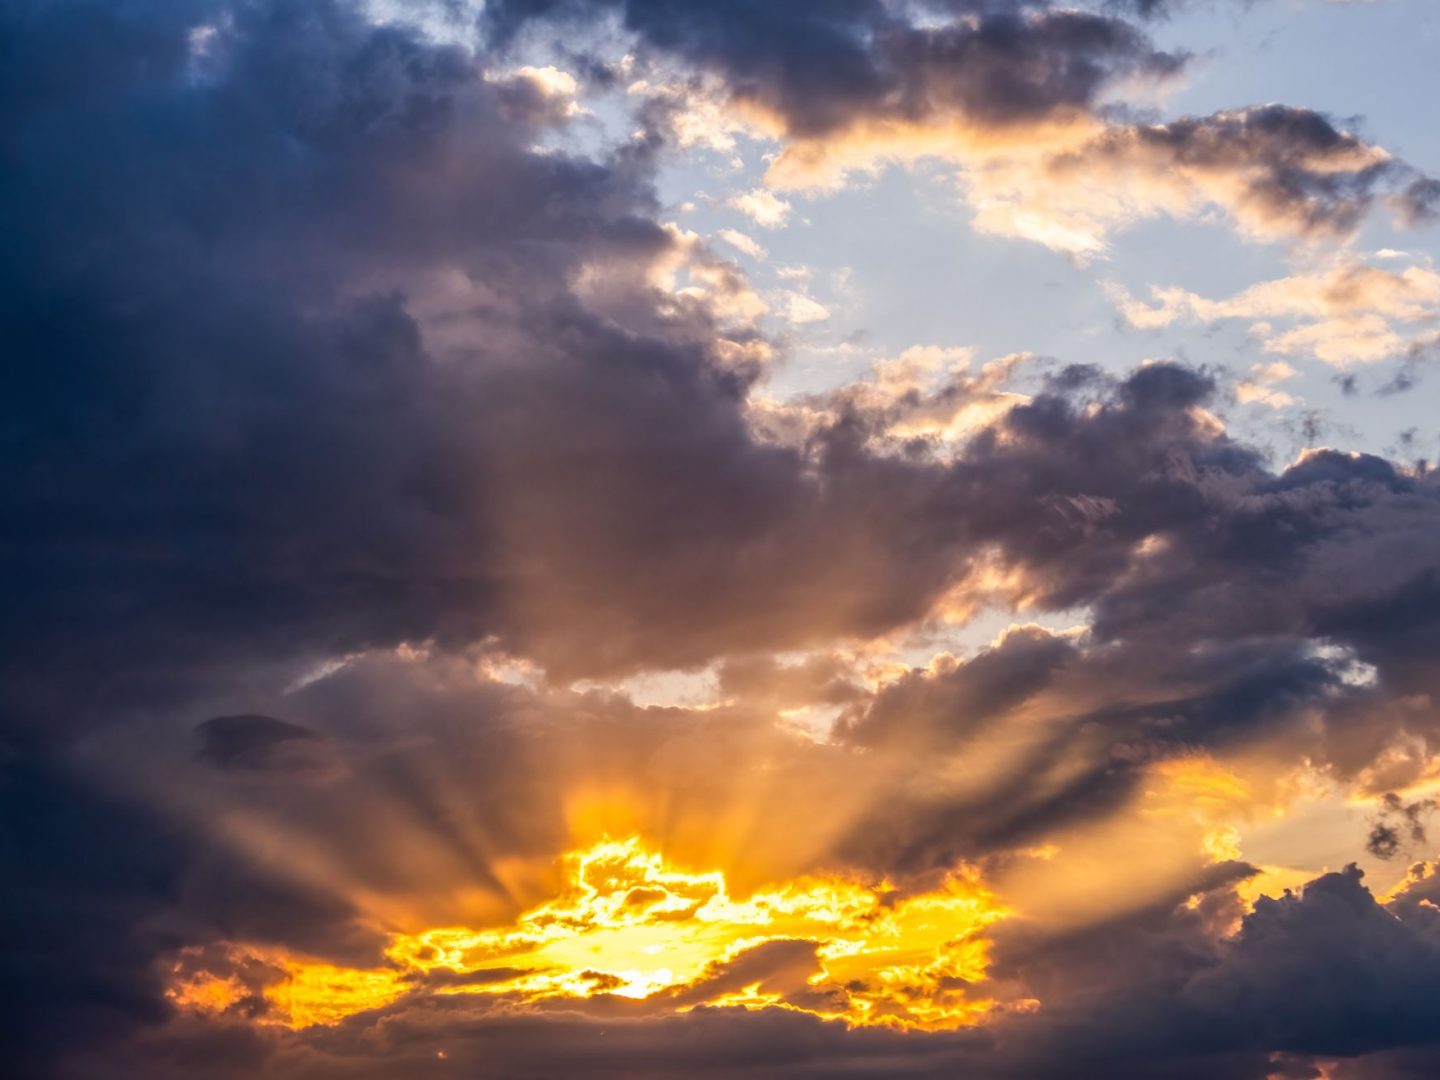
(657, 538)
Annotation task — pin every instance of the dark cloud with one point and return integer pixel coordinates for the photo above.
(824, 680)
(332, 474)
(1291, 168)
(1419, 202)
(1329, 971)
(1327, 975)
(1398, 826)
(225, 437)
(704, 1042)
(250, 741)
(83, 872)
(823, 67)
(1107, 715)
(950, 704)
(1323, 974)
(855, 82)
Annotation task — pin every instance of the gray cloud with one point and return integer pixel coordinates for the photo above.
(822, 67)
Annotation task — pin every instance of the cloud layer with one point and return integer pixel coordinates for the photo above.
(368, 445)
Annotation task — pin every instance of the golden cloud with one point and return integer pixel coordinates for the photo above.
(628, 923)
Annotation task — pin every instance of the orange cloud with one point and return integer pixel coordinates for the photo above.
(626, 922)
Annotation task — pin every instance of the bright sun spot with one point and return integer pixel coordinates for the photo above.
(629, 924)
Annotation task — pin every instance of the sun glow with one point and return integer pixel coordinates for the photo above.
(628, 924)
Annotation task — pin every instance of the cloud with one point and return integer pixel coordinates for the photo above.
(352, 426)
(1022, 96)
(1279, 172)
(250, 742)
(832, 946)
(1260, 387)
(1346, 313)
(745, 244)
(1398, 825)
(860, 63)
(1182, 998)
(763, 207)
(802, 309)
(1329, 971)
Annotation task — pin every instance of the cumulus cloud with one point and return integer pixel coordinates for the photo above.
(866, 63)
(1021, 96)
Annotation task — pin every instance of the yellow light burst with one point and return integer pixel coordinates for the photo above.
(629, 924)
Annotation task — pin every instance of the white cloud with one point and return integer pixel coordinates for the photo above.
(742, 243)
(1348, 312)
(766, 209)
(799, 308)
(1260, 388)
